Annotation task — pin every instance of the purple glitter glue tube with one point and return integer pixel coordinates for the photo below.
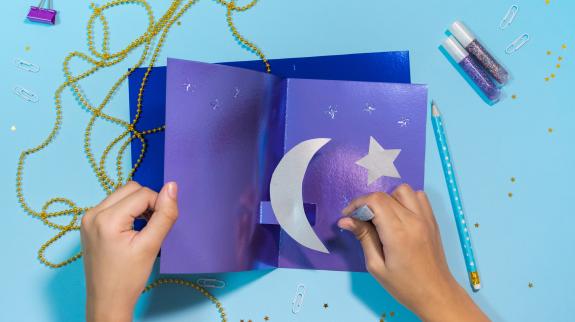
(477, 50)
(472, 68)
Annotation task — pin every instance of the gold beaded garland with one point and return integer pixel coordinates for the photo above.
(101, 60)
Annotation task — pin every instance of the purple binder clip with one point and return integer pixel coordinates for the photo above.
(42, 15)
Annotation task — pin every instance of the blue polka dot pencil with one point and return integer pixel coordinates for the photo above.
(449, 173)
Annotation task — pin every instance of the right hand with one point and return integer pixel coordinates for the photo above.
(403, 251)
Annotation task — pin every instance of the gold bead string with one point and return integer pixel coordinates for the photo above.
(248, 45)
(104, 59)
(192, 285)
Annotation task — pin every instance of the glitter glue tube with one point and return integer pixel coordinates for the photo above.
(475, 48)
(472, 68)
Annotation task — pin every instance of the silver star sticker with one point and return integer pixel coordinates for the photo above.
(379, 162)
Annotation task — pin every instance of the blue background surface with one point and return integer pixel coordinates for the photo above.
(522, 239)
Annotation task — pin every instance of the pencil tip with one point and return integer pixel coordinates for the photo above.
(434, 109)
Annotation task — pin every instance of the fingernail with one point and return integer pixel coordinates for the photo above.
(172, 190)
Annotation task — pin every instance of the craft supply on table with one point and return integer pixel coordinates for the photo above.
(363, 213)
(26, 94)
(509, 17)
(472, 68)
(211, 283)
(468, 40)
(516, 44)
(454, 196)
(296, 132)
(42, 15)
(389, 67)
(297, 302)
(27, 66)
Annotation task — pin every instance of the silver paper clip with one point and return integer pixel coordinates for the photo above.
(26, 94)
(211, 283)
(509, 17)
(297, 302)
(516, 44)
(27, 66)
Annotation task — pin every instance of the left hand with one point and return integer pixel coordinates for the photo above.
(117, 259)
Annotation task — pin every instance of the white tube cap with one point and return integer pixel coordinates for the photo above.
(461, 33)
(454, 49)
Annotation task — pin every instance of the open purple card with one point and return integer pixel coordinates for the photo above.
(225, 136)
(390, 67)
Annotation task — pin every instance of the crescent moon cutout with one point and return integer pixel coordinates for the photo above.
(286, 193)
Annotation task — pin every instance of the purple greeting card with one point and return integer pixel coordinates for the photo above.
(226, 135)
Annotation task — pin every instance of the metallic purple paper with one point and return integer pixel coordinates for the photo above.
(333, 178)
(222, 158)
(214, 153)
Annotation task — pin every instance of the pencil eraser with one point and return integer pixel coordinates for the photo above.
(363, 213)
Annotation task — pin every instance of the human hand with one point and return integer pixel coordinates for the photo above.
(403, 251)
(117, 259)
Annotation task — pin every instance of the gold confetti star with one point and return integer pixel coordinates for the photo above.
(391, 313)
(530, 285)
(13, 128)
(325, 306)
(510, 194)
(549, 52)
(512, 179)
(476, 225)
(550, 130)
(513, 96)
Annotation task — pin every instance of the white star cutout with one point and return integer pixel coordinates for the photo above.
(379, 162)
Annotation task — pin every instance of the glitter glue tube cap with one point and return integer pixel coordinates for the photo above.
(462, 33)
(454, 49)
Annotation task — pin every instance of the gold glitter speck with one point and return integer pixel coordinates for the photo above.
(476, 225)
(552, 75)
(513, 96)
(564, 46)
(530, 285)
(266, 318)
(546, 79)
(325, 306)
(510, 194)
(547, 1)
(512, 179)
(550, 130)
(558, 65)
(549, 52)
(391, 313)
(179, 23)
(559, 58)
(27, 48)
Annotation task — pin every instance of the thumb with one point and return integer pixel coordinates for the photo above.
(367, 235)
(164, 216)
